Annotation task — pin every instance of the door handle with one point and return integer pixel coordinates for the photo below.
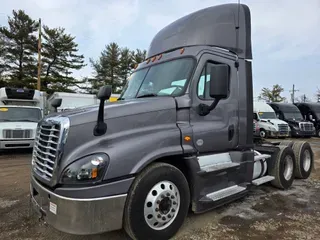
(230, 132)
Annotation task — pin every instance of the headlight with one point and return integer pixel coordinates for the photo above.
(89, 169)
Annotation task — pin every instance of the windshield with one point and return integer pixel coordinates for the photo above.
(20, 114)
(316, 109)
(293, 115)
(267, 115)
(164, 79)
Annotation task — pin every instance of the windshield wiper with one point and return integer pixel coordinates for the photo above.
(148, 95)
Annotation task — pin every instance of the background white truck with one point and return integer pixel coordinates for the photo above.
(268, 123)
(75, 100)
(20, 112)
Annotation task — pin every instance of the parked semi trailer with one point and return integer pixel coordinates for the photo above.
(291, 114)
(311, 112)
(179, 137)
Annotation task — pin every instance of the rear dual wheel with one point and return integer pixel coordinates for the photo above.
(304, 159)
(157, 204)
(284, 167)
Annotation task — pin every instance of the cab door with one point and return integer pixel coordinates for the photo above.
(217, 131)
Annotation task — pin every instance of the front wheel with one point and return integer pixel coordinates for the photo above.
(318, 133)
(263, 133)
(157, 203)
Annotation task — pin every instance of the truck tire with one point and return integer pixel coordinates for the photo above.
(283, 169)
(157, 203)
(287, 143)
(304, 159)
(263, 133)
(318, 133)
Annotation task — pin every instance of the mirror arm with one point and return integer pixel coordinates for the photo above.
(101, 127)
(204, 109)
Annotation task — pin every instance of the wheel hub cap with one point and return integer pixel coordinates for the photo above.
(161, 205)
(288, 167)
(306, 160)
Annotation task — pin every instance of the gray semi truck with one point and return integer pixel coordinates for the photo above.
(179, 138)
(311, 112)
(290, 113)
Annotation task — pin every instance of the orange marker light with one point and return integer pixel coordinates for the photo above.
(181, 50)
(154, 58)
(160, 56)
(148, 60)
(94, 173)
(136, 66)
(187, 138)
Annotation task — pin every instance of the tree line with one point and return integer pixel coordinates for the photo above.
(60, 57)
(274, 94)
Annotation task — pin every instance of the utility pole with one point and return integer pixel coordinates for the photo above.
(39, 57)
(292, 93)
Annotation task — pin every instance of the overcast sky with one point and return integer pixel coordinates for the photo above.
(285, 33)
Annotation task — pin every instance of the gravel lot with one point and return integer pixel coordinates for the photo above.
(266, 213)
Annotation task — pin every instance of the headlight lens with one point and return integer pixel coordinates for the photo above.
(89, 169)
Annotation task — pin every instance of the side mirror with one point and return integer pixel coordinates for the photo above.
(56, 103)
(219, 87)
(219, 81)
(103, 95)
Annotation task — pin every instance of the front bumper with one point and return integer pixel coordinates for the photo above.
(77, 216)
(299, 133)
(13, 144)
(277, 134)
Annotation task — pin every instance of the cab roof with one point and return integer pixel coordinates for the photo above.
(218, 26)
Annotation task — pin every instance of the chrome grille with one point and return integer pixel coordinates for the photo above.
(45, 148)
(283, 128)
(306, 126)
(48, 147)
(17, 133)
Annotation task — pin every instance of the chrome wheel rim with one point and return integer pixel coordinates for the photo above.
(288, 167)
(161, 205)
(262, 134)
(306, 160)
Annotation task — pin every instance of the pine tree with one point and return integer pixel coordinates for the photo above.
(107, 68)
(126, 61)
(59, 59)
(139, 56)
(19, 48)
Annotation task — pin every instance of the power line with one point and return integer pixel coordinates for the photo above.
(293, 92)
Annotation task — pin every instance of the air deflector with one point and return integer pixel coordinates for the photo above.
(214, 26)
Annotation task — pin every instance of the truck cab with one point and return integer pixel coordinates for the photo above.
(267, 121)
(311, 113)
(291, 114)
(20, 113)
(179, 137)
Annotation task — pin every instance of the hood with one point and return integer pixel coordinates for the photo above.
(275, 121)
(118, 109)
(295, 122)
(18, 125)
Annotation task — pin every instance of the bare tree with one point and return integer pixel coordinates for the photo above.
(302, 98)
(272, 95)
